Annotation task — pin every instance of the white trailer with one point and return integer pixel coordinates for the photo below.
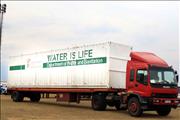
(90, 66)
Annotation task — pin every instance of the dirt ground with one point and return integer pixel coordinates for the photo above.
(49, 109)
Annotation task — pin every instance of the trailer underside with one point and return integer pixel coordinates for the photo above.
(67, 90)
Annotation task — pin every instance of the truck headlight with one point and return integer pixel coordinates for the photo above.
(156, 101)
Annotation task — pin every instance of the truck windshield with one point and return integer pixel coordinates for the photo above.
(162, 76)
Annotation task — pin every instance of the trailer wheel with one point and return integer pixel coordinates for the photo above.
(117, 105)
(17, 96)
(163, 110)
(35, 97)
(98, 102)
(134, 107)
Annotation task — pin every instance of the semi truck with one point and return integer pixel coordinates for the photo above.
(108, 74)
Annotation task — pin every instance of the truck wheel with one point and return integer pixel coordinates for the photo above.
(117, 105)
(163, 110)
(134, 107)
(98, 102)
(17, 96)
(35, 97)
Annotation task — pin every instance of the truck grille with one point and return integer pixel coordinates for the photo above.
(160, 95)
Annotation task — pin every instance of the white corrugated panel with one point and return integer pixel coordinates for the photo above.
(119, 55)
(90, 66)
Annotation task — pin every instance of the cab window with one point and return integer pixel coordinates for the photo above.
(141, 76)
(132, 75)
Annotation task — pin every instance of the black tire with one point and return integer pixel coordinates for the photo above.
(118, 106)
(35, 97)
(134, 107)
(98, 102)
(163, 110)
(17, 96)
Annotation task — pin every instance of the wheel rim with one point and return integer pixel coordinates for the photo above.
(133, 107)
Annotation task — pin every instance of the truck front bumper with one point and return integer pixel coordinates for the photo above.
(152, 103)
(166, 101)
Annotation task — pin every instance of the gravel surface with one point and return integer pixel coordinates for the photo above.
(49, 109)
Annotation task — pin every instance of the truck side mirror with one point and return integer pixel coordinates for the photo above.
(176, 75)
(177, 78)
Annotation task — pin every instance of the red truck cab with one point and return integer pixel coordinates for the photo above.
(150, 84)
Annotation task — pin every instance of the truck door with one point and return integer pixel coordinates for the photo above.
(141, 79)
(137, 78)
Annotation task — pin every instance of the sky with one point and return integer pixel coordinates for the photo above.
(149, 26)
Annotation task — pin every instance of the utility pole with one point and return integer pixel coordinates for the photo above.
(2, 11)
